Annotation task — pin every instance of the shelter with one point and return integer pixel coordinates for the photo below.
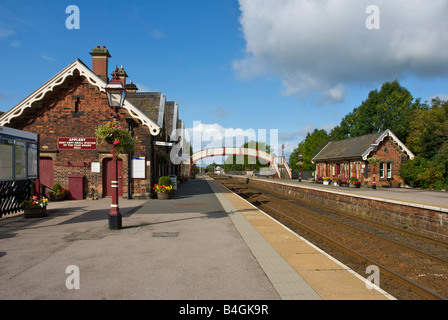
(348, 158)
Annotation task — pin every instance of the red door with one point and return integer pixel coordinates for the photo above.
(46, 171)
(107, 177)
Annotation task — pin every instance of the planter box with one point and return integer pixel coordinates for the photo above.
(354, 185)
(164, 195)
(395, 185)
(35, 212)
(326, 183)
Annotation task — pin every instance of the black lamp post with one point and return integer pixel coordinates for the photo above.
(374, 147)
(116, 94)
(300, 166)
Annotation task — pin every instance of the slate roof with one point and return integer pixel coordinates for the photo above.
(148, 103)
(348, 148)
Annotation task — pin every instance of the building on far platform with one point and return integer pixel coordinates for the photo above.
(65, 112)
(348, 158)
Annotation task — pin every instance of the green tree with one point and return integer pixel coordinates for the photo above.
(313, 143)
(390, 108)
(428, 138)
(238, 163)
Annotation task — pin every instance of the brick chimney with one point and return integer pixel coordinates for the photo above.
(122, 75)
(100, 59)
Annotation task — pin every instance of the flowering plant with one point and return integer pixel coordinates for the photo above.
(336, 179)
(396, 181)
(113, 133)
(354, 180)
(326, 178)
(59, 194)
(162, 188)
(34, 202)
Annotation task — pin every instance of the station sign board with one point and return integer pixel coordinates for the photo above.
(76, 143)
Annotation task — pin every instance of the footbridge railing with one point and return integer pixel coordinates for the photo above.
(240, 151)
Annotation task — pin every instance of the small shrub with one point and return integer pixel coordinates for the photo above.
(56, 187)
(164, 181)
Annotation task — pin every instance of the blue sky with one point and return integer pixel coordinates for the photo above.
(289, 65)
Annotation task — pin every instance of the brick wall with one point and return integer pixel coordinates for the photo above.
(429, 222)
(75, 109)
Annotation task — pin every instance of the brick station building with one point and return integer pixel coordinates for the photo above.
(348, 158)
(65, 112)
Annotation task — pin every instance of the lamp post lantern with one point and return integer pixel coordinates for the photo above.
(116, 94)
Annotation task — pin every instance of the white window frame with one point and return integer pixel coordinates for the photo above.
(382, 169)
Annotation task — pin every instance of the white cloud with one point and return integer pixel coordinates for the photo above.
(5, 32)
(319, 48)
(157, 34)
(44, 55)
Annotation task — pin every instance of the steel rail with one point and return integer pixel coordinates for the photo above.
(398, 277)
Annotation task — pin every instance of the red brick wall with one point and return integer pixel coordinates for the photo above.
(389, 152)
(59, 115)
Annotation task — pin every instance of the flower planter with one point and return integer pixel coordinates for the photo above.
(336, 184)
(357, 185)
(35, 212)
(58, 198)
(326, 183)
(395, 185)
(164, 195)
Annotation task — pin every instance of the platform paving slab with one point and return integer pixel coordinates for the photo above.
(186, 248)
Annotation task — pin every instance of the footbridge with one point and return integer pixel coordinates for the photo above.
(250, 152)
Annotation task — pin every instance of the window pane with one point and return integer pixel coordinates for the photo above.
(20, 162)
(6, 150)
(32, 161)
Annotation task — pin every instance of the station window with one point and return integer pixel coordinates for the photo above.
(389, 170)
(382, 169)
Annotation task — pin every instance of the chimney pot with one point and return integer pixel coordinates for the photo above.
(100, 61)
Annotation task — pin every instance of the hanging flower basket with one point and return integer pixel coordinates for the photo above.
(114, 134)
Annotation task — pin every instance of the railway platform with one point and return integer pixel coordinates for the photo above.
(205, 244)
(406, 196)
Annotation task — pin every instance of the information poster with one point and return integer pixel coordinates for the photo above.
(6, 150)
(32, 161)
(139, 168)
(20, 161)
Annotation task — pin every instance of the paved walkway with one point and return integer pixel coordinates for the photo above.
(186, 248)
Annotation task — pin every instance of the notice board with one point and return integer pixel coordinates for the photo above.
(138, 168)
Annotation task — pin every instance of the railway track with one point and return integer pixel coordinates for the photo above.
(412, 267)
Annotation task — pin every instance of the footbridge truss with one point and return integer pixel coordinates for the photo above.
(250, 152)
